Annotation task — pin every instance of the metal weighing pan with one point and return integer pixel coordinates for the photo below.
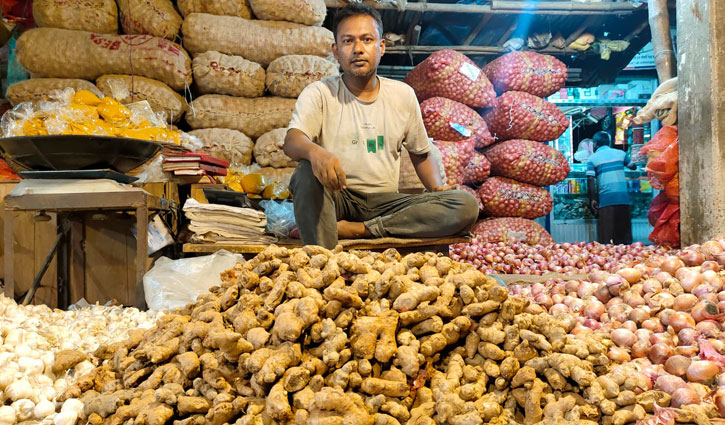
(69, 152)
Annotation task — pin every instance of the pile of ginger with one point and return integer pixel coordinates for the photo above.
(319, 337)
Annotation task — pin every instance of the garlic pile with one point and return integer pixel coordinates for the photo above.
(31, 335)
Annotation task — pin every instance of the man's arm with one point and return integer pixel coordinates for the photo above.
(427, 171)
(325, 166)
(628, 162)
(592, 189)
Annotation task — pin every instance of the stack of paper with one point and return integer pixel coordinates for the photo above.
(222, 223)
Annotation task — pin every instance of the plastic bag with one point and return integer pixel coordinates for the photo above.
(280, 217)
(664, 167)
(666, 231)
(657, 207)
(176, 283)
(663, 138)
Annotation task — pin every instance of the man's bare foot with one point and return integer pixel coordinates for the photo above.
(352, 230)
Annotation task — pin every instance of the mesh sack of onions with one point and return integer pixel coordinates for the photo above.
(504, 197)
(528, 162)
(530, 72)
(509, 229)
(520, 115)
(447, 119)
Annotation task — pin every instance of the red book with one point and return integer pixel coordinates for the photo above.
(202, 169)
(196, 156)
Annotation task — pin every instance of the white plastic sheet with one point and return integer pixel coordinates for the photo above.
(175, 283)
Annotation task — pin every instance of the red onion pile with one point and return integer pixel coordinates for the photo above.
(666, 315)
(567, 258)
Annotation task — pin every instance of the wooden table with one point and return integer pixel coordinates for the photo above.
(402, 245)
(68, 206)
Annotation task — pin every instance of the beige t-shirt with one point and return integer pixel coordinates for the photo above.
(367, 137)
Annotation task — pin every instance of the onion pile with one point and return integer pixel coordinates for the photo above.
(567, 258)
(665, 314)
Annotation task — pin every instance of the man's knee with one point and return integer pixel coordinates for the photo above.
(303, 179)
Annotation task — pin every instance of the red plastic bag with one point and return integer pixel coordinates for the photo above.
(657, 207)
(667, 229)
(672, 189)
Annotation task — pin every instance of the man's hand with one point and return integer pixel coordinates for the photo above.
(446, 188)
(328, 170)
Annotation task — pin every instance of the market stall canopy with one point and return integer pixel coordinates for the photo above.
(596, 40)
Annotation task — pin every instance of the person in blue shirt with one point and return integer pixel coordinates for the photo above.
(608, 194)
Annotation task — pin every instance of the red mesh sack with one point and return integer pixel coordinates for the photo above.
(530, 72)
(672, 189)
(504, 197)
(447, 119)
(665, 165)
(451, 74)
(455, 156)
(666, 230)
(663, 138)
(527, 161)
(472, 191)
(520, 115)
(477, 170)
(657, 207)
(511, 229)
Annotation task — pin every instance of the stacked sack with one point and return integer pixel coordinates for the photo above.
(520, 164)
(663, 168)
(249, 72)
(448, 86)
(77, 44)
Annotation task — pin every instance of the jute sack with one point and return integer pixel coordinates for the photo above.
(238, 8)
(125, 89)
(51, 52)
(257, 41)
(306, 12)
(231, 145)
(85, 15)
(268, 150)
(289, 75)
(218, 73)
(37, 89)
(155, 17)
(253, 117)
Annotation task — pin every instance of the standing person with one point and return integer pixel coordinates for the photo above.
(608, 194)
(347, 133)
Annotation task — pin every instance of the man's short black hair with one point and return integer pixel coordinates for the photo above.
(602, 139)
(356, 9)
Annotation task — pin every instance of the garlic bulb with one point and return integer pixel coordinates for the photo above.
(7, 415)
(66, 418)
(43, 409)
(19, 390)
(23, 409)
(72, 405)
(7, 377)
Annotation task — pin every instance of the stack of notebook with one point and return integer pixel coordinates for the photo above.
(194, 164)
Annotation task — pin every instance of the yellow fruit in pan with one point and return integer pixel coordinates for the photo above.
(253, 183)
(276, 190)
(112, 111)
(85, 97)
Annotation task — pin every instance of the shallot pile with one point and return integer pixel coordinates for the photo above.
(567, 258)
(666, 315)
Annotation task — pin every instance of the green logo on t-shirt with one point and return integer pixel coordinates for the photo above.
(375, 146)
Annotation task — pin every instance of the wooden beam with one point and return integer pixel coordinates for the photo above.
(579, 31)
(507, 34)
(508, 7)
(482, 23)
(474, 50)
(635, 32)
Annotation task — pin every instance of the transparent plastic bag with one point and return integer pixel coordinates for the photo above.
(280, 217)
(176, 283)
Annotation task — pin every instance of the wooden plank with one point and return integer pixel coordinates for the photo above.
(474, 33)
(107, 263)
(77, 261)
(82, 201)
(45, 234)
(5, 188)
(508, 7)
(474, 50)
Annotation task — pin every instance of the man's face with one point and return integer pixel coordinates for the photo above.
(358, 46)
